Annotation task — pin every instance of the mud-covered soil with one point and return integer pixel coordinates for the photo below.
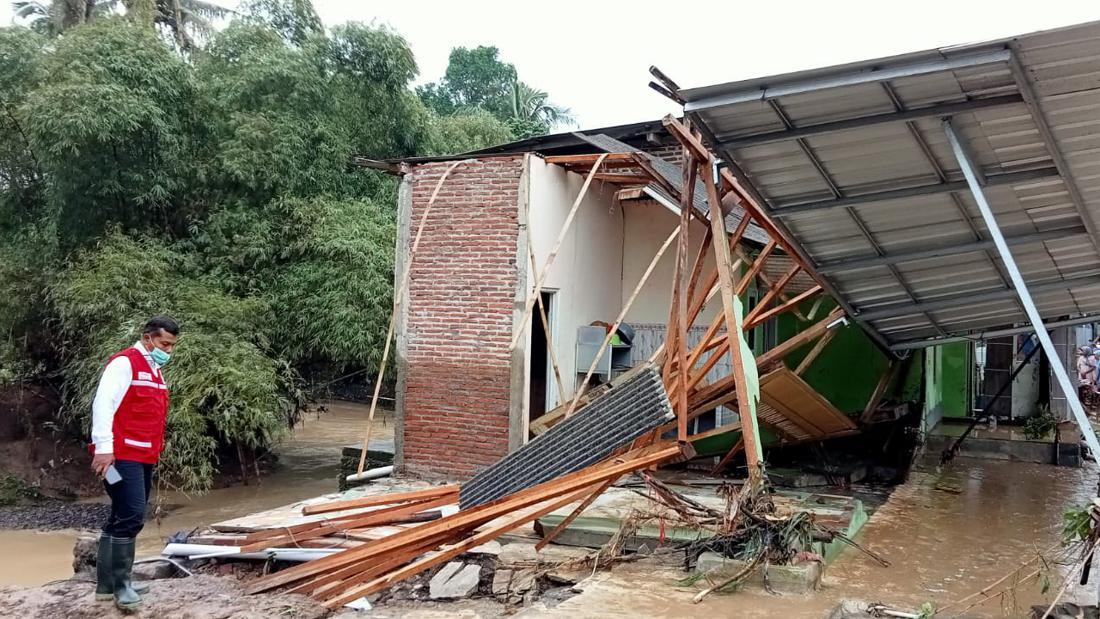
(54, 516)
(196, 597)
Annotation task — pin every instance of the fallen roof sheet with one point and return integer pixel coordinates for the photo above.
(854, 163)
(609, 422)
(797, 412)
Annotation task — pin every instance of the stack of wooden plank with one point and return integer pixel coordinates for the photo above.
(346, 576)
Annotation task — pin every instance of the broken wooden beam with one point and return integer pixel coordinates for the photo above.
(382, 499)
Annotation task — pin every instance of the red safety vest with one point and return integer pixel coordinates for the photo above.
(140, 418)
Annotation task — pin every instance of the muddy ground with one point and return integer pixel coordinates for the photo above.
(198, 597)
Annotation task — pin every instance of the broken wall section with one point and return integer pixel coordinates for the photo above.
(454, 395)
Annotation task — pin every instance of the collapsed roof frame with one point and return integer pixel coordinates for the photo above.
(984, 82)
(731, 278)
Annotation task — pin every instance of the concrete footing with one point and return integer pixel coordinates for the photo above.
(793, 579)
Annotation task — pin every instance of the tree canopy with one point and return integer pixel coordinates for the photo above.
(150, 163)
(478, 80)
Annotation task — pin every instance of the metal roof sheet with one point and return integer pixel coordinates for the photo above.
(854, 162)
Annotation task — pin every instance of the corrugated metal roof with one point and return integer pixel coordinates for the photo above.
(915, 262)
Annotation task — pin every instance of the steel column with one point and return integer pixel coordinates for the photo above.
(1057, 364)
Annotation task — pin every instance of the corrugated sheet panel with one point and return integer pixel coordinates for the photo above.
(1062, 66)
(610, 421)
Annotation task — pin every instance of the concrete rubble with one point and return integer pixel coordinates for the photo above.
(455, 580)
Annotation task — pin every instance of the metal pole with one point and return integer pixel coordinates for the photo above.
(1056, 363)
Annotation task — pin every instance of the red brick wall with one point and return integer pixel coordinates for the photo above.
(459, 318)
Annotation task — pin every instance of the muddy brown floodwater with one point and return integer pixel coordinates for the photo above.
(946, 534)
(308, 466)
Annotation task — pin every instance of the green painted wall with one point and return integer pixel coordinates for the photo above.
(933, 389)
(847, 371)
(954, 378)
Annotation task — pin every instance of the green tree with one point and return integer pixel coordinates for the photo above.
(215, 186)
(468, 131)
(475, 78)
(294, 20)
(51, 18)
(111, 125)
(532, 112)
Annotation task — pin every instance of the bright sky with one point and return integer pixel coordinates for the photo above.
(593, 56)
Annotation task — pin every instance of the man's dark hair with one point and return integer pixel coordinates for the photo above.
(161, 321)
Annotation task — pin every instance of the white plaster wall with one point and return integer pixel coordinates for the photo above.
(588, 271)
(648, 225)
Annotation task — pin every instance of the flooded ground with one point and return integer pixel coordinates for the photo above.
(308, 466)
(946, 534)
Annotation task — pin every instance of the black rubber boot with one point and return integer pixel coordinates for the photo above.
(104, 580)
(126, 598)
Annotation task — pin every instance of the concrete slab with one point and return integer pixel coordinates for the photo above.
(1004, 443)
(794, 579)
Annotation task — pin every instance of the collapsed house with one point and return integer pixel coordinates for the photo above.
(861, 167)
(799, 260)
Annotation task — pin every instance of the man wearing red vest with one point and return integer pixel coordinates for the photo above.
(128, 417)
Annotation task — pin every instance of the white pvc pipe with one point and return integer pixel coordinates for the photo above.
(209, 551)
(382, 471)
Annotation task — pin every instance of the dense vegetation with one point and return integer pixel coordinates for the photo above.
(149, 163)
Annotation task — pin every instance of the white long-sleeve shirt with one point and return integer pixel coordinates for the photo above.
(113, 385)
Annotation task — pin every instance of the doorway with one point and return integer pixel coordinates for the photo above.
(542, 395)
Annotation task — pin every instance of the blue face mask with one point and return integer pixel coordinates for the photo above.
(159, 356)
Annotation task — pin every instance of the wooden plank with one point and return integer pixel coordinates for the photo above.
(399, 294)
(729, 427)
(879, 392)
(755, 267)
(634, 193)
(386, 515)
(542, 543)
(772, 292)
(737, 447)
(808, 360)
(541, 277)
(510, 522)
(697, 271)
(783, 308)
(803, 405)
(626, 178)
(468, 518)
(381, 499)
(680, 292)
(589, 158)
(773, 391)
(365, 570)
(619, 319)
(767, 280)
(725, 270)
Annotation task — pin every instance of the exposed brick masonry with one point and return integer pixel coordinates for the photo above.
(459, 317)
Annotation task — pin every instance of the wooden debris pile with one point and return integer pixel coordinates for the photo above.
(351, 574)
